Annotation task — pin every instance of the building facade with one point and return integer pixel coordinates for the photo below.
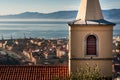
(90, 39)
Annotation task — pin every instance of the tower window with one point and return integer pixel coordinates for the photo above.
(91, 45)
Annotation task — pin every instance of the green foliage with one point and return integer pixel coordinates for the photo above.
(86, 73)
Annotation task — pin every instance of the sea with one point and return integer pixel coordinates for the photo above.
(39, 28)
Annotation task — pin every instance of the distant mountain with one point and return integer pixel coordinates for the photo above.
(112, 14)
(108, 14)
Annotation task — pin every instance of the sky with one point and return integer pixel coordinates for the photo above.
(48, 6)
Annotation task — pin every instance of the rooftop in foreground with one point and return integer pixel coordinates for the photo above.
(32, 72)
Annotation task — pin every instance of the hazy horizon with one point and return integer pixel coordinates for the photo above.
(48, 6)
(48, 12)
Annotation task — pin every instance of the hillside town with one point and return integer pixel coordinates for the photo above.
(35, 51)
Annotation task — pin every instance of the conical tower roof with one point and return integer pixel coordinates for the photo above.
(90, 13)
(89, 10)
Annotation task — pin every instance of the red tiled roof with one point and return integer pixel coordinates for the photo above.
(32, 72)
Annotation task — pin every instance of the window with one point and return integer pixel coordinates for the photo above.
(91, 45)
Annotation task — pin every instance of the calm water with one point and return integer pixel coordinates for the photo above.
(39, 28)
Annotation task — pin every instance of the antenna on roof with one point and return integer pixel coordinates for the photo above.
(11, 37)
(24, 36)
(2, 37)
(2, 40)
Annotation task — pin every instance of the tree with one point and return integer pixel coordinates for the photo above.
(86, 73)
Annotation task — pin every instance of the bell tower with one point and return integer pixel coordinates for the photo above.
(90, 38)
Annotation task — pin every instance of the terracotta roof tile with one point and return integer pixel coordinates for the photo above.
(32, 72)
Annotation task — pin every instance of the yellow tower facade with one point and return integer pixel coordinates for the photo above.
(90, 39)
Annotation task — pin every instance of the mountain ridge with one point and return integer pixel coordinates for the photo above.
(108, 14)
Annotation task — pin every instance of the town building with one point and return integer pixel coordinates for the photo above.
(90, 39)
(90, 42)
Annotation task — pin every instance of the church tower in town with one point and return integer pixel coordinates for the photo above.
(90, 39)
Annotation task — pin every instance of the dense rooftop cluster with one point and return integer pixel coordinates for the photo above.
(44, 52)
(37, 51)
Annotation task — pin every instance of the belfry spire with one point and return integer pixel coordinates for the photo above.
(89, 10)
(90, 38)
